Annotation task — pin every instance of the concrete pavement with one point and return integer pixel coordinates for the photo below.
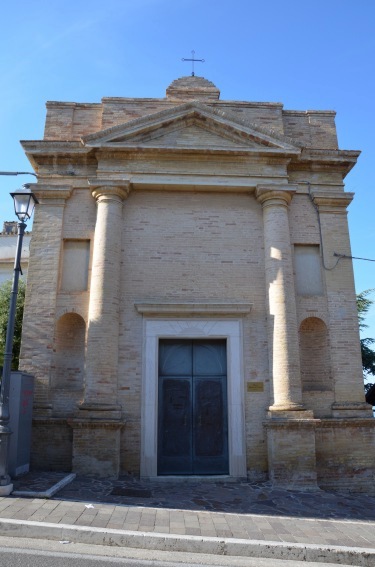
(198, 517)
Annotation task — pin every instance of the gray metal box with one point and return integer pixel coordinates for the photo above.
(21, 412)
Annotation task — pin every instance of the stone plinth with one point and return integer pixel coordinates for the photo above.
(291, 453)
(345, 454)
(56, 455)
(96, 447)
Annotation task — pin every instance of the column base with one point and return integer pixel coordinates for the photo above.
(291, 452)
(351, 409)
(284, 412)
(291, 406)
(96, 446)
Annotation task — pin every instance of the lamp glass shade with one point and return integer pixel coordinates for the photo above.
(24, 202)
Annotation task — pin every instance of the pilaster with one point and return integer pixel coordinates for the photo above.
(42, 284)
(342, 307)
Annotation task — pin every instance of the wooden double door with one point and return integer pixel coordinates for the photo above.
(192, 407)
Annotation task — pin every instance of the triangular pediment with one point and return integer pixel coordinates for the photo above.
(189, 126)
(189, 133)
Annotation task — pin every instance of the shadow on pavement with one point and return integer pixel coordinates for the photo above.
(235, 497)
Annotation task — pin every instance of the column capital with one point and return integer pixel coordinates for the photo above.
(275, 194)
(47, 193)
(332, 202)
(109, 188)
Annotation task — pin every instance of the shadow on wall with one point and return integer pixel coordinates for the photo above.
(317, 383)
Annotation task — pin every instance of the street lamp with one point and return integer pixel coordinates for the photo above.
(24, 203)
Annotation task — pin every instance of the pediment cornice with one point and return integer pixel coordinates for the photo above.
(190, 126)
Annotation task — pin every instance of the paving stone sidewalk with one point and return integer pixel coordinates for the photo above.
(199, 508)
(189, 522)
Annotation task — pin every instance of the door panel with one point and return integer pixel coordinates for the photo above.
(192, 420)
(175, 443)
(210, 358)
(175, 358)
(210, 433)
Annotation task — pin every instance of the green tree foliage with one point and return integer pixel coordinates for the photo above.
(5, 293)
(368, 354)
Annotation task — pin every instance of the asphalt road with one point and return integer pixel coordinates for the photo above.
(21, 552)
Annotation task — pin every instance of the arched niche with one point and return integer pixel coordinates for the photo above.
(317, 386)
(69, 352)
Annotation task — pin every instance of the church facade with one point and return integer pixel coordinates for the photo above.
(190, 307)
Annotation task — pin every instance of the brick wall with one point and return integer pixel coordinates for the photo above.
(191, 247)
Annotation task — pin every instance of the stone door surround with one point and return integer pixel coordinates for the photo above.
(231, 330)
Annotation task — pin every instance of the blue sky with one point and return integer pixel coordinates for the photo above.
(307, 55)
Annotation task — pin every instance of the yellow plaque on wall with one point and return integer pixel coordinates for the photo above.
(255, 387)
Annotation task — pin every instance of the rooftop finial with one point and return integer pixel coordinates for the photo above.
(192, 61)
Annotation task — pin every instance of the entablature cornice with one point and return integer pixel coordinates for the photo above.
(70, 155)
(55, 153)
(115, 151)
(322, 159)
(195, 183)
(54, 146)
(329, 201)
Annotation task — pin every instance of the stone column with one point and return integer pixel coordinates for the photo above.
(290, 429)
(104, 304)
(97, 427)
(282, 314)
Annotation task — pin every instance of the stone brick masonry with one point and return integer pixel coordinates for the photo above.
(192, 207)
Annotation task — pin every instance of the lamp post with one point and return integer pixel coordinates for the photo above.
(24, 203)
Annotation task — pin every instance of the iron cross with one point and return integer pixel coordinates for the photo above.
(192, 60)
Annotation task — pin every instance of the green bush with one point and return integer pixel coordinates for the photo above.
(5, 293)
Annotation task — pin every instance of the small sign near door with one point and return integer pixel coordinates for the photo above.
(255, 387)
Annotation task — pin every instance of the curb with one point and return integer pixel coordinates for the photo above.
(358, 556)
(47, 493)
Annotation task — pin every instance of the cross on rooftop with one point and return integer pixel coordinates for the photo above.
(192, 60)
